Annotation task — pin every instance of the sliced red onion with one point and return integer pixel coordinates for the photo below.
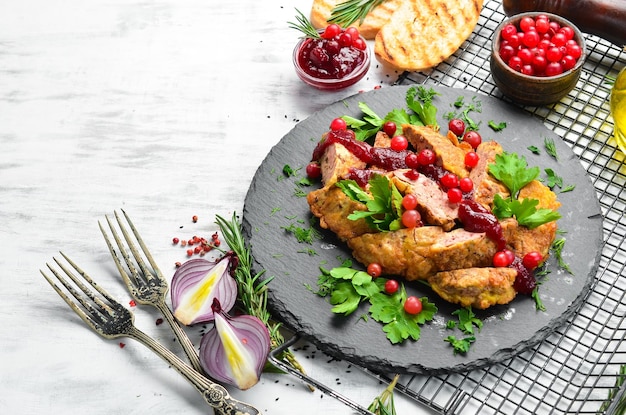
(234, 351)
(196, 283)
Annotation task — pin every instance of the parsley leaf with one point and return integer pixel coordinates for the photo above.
(525, 211)
(497, 127)
(348, 288)
(422, 106)
(534, 149)
(467, 320)
(513, 171)
(460, 345)
(553, 179)
(382, 202)
(397, 323)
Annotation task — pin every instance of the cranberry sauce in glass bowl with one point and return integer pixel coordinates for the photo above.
(332, 63)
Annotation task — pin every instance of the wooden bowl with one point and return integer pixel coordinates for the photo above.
(534, 90)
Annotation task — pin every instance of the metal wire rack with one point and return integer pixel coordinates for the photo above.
(576, 368)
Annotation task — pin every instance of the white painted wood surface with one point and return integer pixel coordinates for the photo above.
(162, 108)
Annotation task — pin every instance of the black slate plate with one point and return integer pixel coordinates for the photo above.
(271, 205)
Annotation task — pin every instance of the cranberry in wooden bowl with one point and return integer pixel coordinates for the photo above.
(536, 57)
(336, 59)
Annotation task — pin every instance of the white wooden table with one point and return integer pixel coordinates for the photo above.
(164, 109)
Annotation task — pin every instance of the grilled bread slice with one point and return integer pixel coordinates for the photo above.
(375, 19)
(423, 33)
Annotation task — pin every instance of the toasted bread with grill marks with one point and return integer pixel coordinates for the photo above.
(375, 19)
(423, 33)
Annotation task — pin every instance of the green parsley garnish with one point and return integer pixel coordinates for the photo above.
(497, 126)
(348, 288)
(514, 173)
(534, 149)
(383, 202)
(460, 345)
(422, 112)
(553, 179)
(467, 320)
(306, 235)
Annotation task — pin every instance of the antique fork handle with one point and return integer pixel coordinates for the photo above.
(214, 394)
(182, 337)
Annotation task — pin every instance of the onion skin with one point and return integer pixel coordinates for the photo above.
(196, 283)
(234, 351)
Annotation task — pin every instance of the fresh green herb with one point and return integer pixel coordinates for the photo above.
(397, 323)
(383, 404)
(553, 179)
(539, 306)
(568, 188)
(298, 192)
(460, 345)
(423, 105)
(525, 211)
(474, 105)
(614, 392)
(367, 126)
(383, 203)
(459, 102)
(252, 291)
(348, 288)
(304, 26)
(534, 149)
(467, 320)
(557, 249)
(306, 235)
(497, 126)
(351, 11)
(513, 171)
(550, 147)
(288, 171)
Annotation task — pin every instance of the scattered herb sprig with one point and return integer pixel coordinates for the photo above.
(467, 322)
(304, 26)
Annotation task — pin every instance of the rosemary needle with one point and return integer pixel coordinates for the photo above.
(350, 11)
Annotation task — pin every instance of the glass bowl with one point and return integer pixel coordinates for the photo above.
(330, 83)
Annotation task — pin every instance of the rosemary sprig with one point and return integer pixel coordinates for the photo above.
(350, 11)
(304, 26)
(621, 405)
(252, 292)
(383, 404)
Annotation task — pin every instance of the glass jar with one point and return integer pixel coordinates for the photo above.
(618, 109)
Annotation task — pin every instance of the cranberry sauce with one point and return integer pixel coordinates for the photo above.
(327, 59)
(384, 158)
(476, 218)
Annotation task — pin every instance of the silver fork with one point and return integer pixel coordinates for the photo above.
(147, 286)
(111, 320)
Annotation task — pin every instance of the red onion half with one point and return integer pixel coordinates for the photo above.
(235, 349)
(196, 283)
